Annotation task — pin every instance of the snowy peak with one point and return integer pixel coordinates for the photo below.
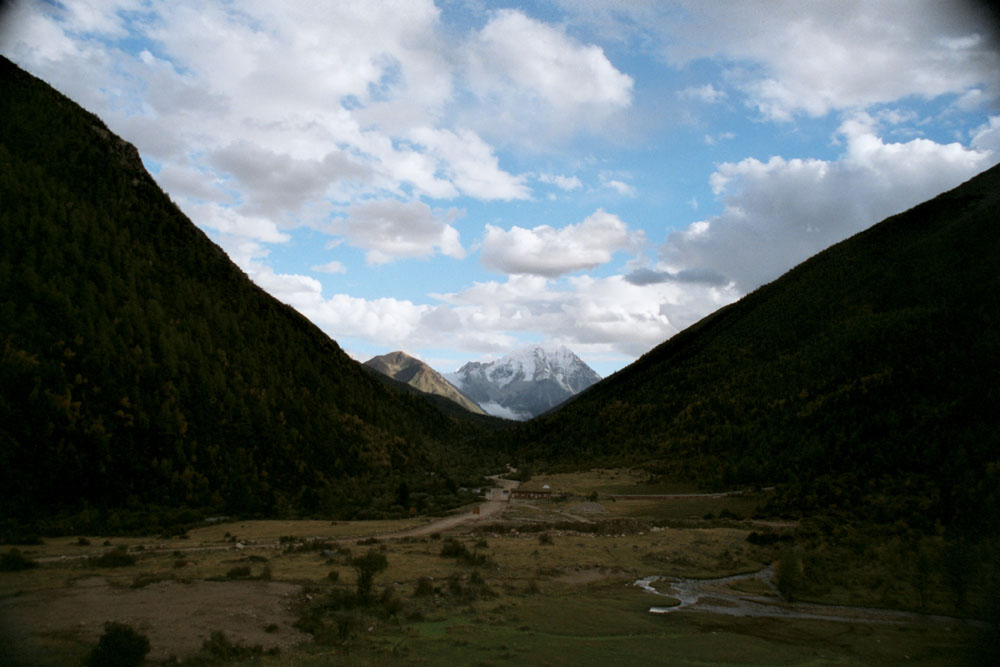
(538, 363)
(525, 383)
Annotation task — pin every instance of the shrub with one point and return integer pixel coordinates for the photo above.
(424, 587)
(119, 646)
(119, 557)
(14, 560)
(220, 647)
(452, 548)
(239, 572)
(367, 567)
(545, 539)
(390, 602)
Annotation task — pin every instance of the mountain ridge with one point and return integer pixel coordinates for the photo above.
(410, 370)
(140, 367)
(867, 362)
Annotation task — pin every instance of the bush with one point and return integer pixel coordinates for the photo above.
(119, 646)
(14, 560)
(119, 557)
(367, 567)
(545, 539)
(424, 588)
(220, 647)
(239, 572)
(452, 548)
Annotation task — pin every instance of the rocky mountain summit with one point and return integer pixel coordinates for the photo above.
(526, 382)
(409, 370)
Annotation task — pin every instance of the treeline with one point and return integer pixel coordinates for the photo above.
(863, 382)
(140, 367)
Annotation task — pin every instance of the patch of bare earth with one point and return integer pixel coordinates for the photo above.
(589, 575)
(177, 617)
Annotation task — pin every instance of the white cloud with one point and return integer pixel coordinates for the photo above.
(471, 164)
(277, 184)
(619, 186)
(518, 51)
(792, 57)
(601, 314)
(228, 221)
(707, 93)
(819, 57)
(391, 229)
(568, 183)
(711, 139)
(530, 74)
(546, 251)
(780, 212)
(987, 136)
(330, 267)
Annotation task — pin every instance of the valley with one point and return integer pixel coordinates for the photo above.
(548, 581)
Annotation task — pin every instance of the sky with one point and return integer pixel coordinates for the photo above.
(459, 178)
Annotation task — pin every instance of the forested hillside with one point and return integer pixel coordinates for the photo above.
(140, 367)
(862, 381)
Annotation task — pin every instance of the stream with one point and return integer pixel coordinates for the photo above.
(714, 596)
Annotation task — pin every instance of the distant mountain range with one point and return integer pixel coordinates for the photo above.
(408, 370)
(525, 383)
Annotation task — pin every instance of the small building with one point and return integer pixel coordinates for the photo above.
(498, 494)
(518, 494)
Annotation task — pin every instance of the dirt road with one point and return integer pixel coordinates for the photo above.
(487, 510)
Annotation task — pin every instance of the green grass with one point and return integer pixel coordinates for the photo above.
(571, 602)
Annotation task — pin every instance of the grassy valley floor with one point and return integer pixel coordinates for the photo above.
(530, 582)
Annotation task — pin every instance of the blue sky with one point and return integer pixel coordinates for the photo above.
(456, 179)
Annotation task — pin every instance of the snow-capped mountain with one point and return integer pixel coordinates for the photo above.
(526, 382)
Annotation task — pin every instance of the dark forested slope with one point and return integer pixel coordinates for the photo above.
(867, 377)
(138, 365)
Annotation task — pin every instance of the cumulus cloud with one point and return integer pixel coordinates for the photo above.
(547, 251)
(391, 229)
(275, 184)
(289, 103)
(527, 73)
(514, 50)
(987, 136)
(819, 57)
(471, 164)
(780, 212)
(601, 314)
(811, 58)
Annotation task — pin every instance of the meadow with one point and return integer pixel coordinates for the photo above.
(545, 582)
